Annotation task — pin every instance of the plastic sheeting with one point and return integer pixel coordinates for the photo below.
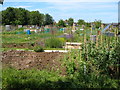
(28, 32)
(106, 28)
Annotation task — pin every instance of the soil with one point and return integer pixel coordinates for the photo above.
(28, 60)
(22, 45)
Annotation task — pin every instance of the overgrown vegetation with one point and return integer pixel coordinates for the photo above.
(93, 67)
(54, 42)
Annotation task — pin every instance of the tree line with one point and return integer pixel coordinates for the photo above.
(80, 22)
(21, 16)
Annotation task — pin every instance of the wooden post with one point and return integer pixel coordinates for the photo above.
(117, 34)
(90, 38)
(115, 37)
(96, 40)
(85, 40)
(101, 39)
(85, 46)
(91, 29)
(85, 53)
(80, 56)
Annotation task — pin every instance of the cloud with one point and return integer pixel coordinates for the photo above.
(3, 8)
(75, 5)
(22, 6)
(88, 11)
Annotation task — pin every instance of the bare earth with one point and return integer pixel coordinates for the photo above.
(28, 60)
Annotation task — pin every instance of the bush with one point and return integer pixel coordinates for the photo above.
(38, 49)
(54, 42)
(21, 29)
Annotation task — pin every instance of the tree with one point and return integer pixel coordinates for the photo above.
(61, 23)
(36, 18)
(48, 20)
(70, 21)
(88, 24)
(15, 16)
(23, 16)
(97, 23)
(8, 16)
(81, 22)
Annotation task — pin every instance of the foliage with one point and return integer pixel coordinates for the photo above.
(103, 58)
(36, 18)
(38, 49)
(48, 20)
(81, 22)
(21, 16)
(97, 23)
(8, 16)
(86, 68)
(14, 37)
(54, 42)
(29, 79)
(70, 21)
(15, 16)
(61, 23)
(88, 24)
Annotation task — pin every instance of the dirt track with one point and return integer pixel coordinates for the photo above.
(28, 59)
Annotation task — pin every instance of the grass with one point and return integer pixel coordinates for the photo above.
(23, 38)
(13, 37)
(6, 49)
(26, 49)
(36, 79)
(28, 79)
(0, 75)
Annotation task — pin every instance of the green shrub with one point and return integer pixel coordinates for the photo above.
(54, 42)
(38, 49)
(21, 29)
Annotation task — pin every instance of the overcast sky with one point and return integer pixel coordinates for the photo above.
(105, 10)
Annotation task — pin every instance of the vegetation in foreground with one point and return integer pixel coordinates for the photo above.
(29, 79)
(82, 71)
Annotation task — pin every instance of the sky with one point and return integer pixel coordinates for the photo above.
(105, 10)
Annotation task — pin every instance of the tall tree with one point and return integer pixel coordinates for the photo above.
(61, 23)
(81, 22)
(97, 23)
(70, 21)
(23, 16)
(48, 20)
(87, 24)
(15, 16)
(34, 17)
(8, 16)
